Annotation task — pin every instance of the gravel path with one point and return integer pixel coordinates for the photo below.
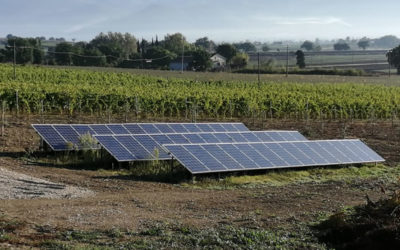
(14, 185)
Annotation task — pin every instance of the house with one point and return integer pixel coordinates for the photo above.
(176, 65)
(218, 61)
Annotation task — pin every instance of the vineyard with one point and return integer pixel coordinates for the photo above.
(69, 91)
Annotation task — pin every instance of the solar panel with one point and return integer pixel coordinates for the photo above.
(151, 142)
(120, 152)
(51, 137)
(67, 136)
(270, 155)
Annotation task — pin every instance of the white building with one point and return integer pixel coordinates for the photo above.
(218, 61)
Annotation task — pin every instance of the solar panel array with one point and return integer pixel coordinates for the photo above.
(61, 137)
(206, 147)
(149, 147)
(217, 157)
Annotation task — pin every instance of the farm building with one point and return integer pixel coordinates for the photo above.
(218, 61)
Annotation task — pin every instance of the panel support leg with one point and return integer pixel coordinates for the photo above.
(171, 164)
(193, 179)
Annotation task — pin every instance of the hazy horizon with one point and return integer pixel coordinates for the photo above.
(230, 21)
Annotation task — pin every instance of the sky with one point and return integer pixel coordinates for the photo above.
(220, 20)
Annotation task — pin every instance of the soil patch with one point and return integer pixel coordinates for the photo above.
(15, 185)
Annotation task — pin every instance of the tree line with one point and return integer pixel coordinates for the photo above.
(114, 49)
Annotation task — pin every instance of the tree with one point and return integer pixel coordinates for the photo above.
(116, 45)
(317, 48)
(307, 45)
(156, 43)
(161, 58)
(63, 53)
(85, 54)
(240, 60)
(144, 44)
(387, 42)
(94, 56)
(205, 43)
(201, 60)
(27, 50)
(266, 48)
(363, 43)
(134, 62)
(245, 47)
(2, 55)
(341, 46)
(175, 42)
(300, 59)
(227, 50)
(393, 57)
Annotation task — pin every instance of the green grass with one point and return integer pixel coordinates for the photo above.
(297, 176)
(162, 235)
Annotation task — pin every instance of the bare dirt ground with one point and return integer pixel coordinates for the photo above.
(14, 185)
(121, 202)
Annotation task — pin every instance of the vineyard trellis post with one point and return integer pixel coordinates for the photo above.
(16, 102)
(41, 111)
(126, 111)
(137, 107)
(3, 117)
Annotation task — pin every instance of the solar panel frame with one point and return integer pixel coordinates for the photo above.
(330, 143)
(111, 128)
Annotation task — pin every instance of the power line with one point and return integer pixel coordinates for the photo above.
(87, 56)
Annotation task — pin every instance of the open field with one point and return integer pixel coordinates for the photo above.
(327, 59)
(138, 208)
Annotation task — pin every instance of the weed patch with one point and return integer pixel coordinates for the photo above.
(375, 225)
(297, 176)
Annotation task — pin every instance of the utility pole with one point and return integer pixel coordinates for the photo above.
(183, 53)
(389, 53)
(15, 61)
(287, 60)
(258, 56)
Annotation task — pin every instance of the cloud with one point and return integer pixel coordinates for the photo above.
(88, 24)
(311, 20)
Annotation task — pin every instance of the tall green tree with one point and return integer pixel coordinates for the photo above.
(175, 43)
(201, 60)
(63, 53)
(389, 41)
(363, 43)
(341, 46)
(115, 45)
(240, 60)
(393, 57)
(27, 50)
(227, 50)
(206, 44)
(300, 59)
(307, 45)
